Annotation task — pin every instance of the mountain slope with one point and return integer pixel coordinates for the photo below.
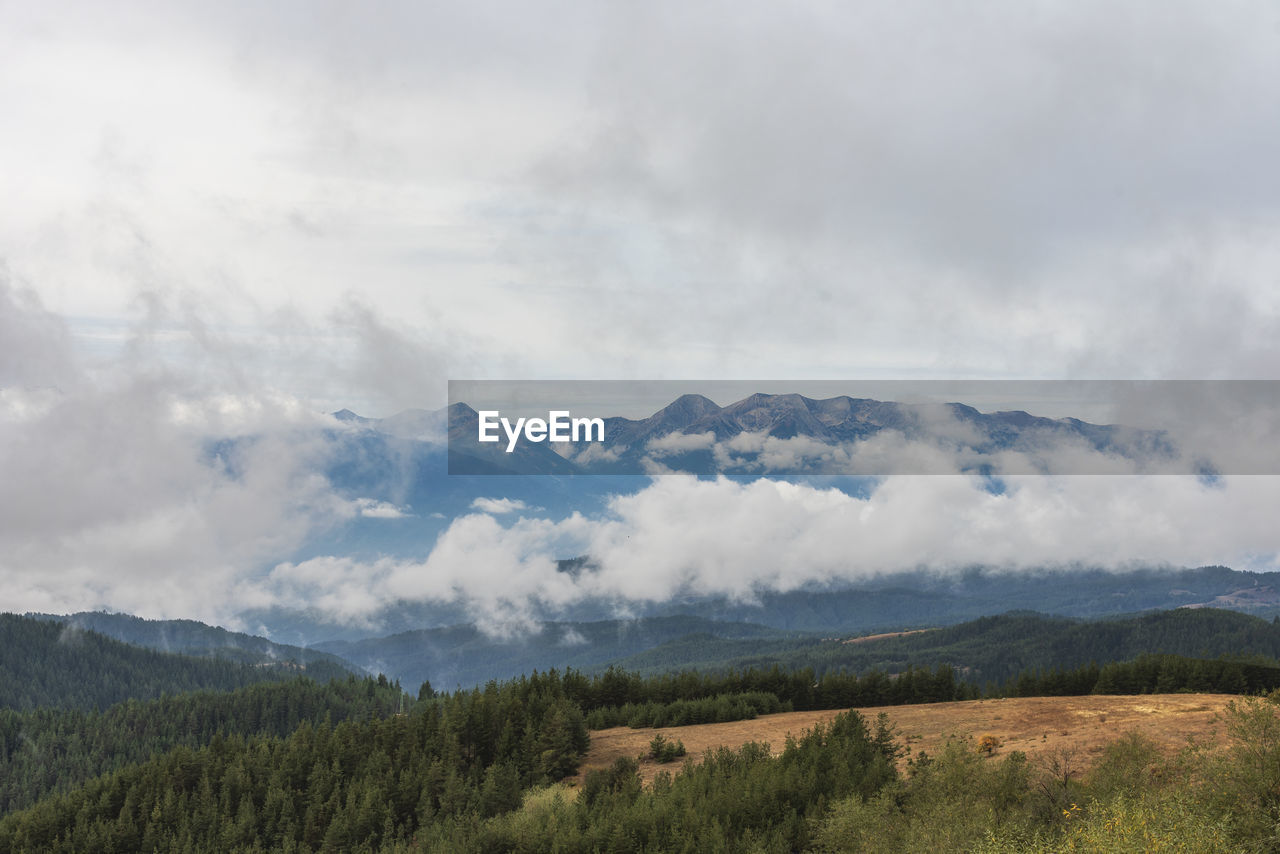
(189, 637)
(923, 598)
(47, 663)
(48, 750)
(986, 649)
(465, 656)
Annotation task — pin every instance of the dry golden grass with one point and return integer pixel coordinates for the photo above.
(1033, 725)
(883, 635)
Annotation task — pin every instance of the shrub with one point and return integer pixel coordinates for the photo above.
(664, 750)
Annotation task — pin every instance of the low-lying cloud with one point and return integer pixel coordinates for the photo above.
(156, 479)
(189, 486)
(682, 536)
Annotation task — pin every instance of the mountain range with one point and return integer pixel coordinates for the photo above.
(792, 434)
(402, 471)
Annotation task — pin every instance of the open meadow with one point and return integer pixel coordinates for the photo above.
(1073, 727)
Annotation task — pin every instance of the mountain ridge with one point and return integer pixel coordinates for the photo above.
(837, 422)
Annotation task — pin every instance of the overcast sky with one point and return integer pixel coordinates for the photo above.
(240, 214)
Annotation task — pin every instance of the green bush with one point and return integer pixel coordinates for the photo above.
(663, 750)
(1167, 820)
(949, 803)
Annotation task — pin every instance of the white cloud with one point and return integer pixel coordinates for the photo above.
(371, 508)
(194, 192)
(679, 443)
(498, 505)
(887, 191)
(153, 481)
(168, 486)
(572, 637)
(948, 451)
(681, 536)
(593, 454)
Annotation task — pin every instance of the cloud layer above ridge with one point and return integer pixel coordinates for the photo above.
(681, 536)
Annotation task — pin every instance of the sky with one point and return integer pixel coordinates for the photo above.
(223, 219)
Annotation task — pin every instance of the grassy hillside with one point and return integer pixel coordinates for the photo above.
(1038, 726)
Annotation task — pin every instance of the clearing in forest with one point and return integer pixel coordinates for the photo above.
(1082, 726)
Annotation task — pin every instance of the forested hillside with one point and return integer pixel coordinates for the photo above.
(462, 656)
(358, 764)
(194, 638)
(923, 598)
(987, 650)
(46, 663)
(468, 773)
(323, 787)
(47, 749)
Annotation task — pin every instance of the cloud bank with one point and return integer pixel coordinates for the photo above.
(682, 536)
(806, 190)
(184, 487)
(157, 480)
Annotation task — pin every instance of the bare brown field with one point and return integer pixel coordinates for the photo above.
(1034, 725)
